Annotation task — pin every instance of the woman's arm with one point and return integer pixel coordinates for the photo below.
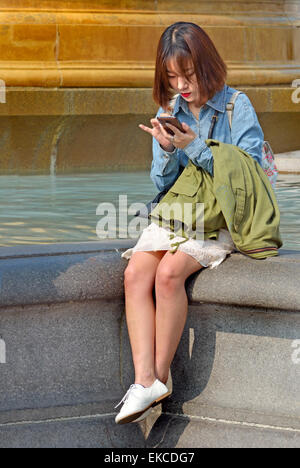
(199, 153)
(165, 166)
(193, 146)
(246, 132)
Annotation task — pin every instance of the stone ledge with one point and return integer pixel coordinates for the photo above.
(65, 41)
(95, 271)
(39, 250)
(280, 8)
(33, 101)
(131, 74)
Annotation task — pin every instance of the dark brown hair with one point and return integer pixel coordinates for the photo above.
(183, 42)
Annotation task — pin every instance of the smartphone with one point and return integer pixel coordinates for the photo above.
(172, 121)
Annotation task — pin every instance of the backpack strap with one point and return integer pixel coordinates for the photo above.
(230, 106)
(212, 125)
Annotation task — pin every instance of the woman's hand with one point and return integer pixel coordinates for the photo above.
(167, 141)
(159, 133)
(180, 139)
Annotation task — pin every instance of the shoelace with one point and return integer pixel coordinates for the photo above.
(125, 397)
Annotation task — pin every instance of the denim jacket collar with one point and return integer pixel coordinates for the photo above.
(217, 102)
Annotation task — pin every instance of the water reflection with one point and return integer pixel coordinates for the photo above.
(47, 209)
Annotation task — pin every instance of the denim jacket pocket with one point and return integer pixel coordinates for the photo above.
(240, 196)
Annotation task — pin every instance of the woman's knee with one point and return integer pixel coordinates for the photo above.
(131, 275)
(168, 279)
(141, 268)
(137, 278)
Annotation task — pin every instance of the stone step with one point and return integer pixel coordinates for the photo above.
(108, 45)
(288, 162)
(168, 431)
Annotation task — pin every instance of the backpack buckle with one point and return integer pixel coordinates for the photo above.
(230, 106)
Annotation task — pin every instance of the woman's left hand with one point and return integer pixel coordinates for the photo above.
(180, 139)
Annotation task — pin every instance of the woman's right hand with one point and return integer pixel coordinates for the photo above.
(159, 133)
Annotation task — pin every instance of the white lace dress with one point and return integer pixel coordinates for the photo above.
(209, 253)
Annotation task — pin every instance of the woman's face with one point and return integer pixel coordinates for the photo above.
(185, 84)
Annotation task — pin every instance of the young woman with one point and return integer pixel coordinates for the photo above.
(187, 65)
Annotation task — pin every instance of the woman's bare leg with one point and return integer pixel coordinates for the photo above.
(171, 307)
(139, 278)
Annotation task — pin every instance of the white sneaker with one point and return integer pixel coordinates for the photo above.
(139, 399)
(144, 416)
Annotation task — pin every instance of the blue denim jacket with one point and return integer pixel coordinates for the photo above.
(245, 133)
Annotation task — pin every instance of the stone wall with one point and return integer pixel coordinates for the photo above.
(71, 67)
(235, 377)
